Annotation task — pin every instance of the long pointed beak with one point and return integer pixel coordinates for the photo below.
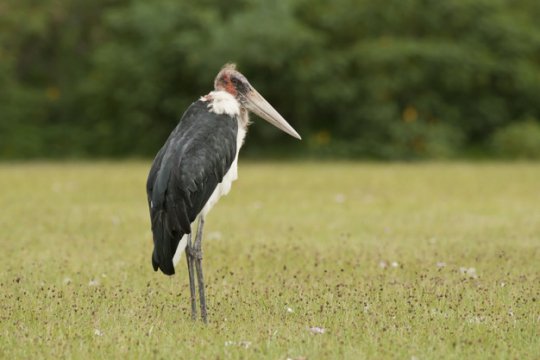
(258, 105)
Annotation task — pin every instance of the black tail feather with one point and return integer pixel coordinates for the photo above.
(165, 243)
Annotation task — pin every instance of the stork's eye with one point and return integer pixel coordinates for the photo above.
(239, 84)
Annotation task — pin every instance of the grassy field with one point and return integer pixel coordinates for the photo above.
(302, 261)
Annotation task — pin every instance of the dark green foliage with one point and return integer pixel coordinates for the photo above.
(397, 79)
(518, 140)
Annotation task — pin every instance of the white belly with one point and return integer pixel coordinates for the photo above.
(225, 185)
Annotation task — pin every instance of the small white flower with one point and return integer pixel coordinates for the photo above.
(245, 344)
(98, 332)
(476, 319)
(383, 264)
(394, 264)
(290, 310)
(470, 272)
(441, 264)
(317, 330)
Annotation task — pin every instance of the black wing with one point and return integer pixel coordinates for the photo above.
(184, 174)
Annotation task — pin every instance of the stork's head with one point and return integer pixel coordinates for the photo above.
(236, 84)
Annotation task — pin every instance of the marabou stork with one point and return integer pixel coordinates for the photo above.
(196, 166)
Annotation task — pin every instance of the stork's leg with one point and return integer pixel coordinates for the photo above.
(198, 266)
(190, 262)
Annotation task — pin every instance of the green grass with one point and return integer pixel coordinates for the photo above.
(377, 255)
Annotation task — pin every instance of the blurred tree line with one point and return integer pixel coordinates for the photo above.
(394, 79)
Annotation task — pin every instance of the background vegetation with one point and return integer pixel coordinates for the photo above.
(397, 79)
